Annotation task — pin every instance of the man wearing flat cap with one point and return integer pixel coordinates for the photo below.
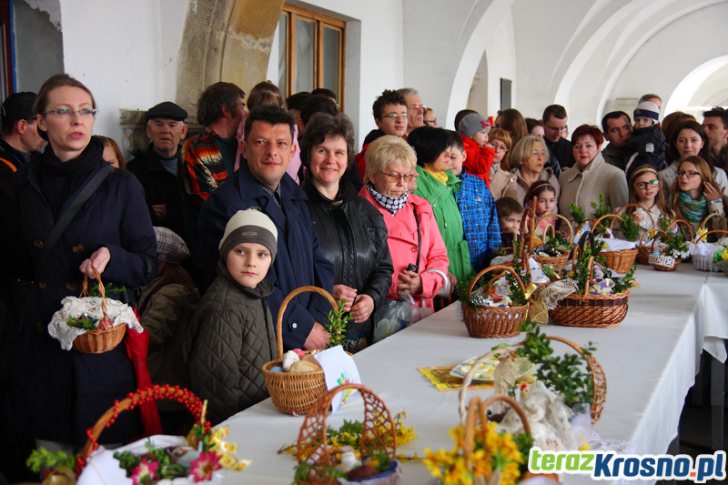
(156, 168)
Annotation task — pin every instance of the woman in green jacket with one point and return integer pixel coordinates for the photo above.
(437, 184)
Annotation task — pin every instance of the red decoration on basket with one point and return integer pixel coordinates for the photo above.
(153, 393)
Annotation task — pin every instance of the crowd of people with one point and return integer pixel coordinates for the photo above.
(205, 235)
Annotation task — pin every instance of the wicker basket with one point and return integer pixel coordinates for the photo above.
(558, 262)
(704, 262)
(100, 340)
(378, 434)
(599, 379)
(153, 393)
(294, 392)
(493, 322)
(587, 310)
(643, 250)
(662, 262)
(619, 261)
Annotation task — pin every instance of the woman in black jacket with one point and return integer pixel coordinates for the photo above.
(59, 393)
(351, 232)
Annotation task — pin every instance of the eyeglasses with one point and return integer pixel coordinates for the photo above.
(398, 177)
(498, 147)
(67, 112)
(651, 183)
(396, 116)
(688, 173)
(563, 129)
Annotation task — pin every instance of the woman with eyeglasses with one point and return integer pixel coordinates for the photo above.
(645, 190)
(419, 256)
(78, 217)
(437, 184)
(689, 140)
(350, 232)
(590, 176)
(695, 194)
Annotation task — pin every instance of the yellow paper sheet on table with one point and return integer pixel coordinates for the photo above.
(440, 377)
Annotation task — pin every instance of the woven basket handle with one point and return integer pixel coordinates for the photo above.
(613, 217)
(102, 292)
(714, 231)
(676, 224)
(463, 392)
(654, 240)
(704, 222)
(645, 234)
(284, 305)
(497, 267)
(622, 210)
(599, 379)
(558, 216)
(477, 413)
(312, 437)
(153, 393)
(586, 238)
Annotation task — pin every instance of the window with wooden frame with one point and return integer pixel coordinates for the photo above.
(311, 52)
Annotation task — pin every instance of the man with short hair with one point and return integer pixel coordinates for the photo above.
(156, 168)
(617, 127)
(20, 135)
(555, 125)
(262, 183)
(652, 98)
(415, 109)
(715, 124)
(209, 159)
(390, 115)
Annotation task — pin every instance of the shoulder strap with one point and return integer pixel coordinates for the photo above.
(10, 165)
(83, 195)
(419, 236)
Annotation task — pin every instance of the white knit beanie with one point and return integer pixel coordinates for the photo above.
(647, 109)
(249, 226)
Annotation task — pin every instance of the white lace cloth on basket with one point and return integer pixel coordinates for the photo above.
(118, 313)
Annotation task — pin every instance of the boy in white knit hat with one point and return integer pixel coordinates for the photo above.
(231, 334)
(647, 138)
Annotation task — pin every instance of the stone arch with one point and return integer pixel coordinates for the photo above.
(225, 40)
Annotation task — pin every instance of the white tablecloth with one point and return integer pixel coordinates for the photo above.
(713, 315)
(650, 361)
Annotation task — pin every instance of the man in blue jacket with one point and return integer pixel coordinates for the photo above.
(262, 183)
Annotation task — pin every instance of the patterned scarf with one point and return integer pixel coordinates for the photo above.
(693, 210)
(390, 203)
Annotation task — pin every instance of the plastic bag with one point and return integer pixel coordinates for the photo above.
(394, 315)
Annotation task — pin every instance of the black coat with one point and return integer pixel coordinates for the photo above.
(160, 187)
(60, 393)
(353, 236)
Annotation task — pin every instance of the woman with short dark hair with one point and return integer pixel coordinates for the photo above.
(351, 233)
(591, 175)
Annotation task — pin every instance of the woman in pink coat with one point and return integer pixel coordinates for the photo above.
(418, 253)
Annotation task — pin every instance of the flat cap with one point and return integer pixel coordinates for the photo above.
(167, 110)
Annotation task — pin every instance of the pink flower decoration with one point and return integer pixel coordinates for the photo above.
(145, 472)
(202, 468)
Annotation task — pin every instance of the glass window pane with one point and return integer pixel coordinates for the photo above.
(283, 54)
(332, 57)
(305, 49)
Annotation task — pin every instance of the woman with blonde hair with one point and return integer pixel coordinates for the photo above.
(528, 163)
(419, 255)
(695, 194)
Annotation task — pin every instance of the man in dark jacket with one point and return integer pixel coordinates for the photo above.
(156, 168)
(262, 182)
(555, 126)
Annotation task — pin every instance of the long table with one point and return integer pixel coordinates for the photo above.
(650, 361)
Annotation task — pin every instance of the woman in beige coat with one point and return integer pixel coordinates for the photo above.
(590, 175)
